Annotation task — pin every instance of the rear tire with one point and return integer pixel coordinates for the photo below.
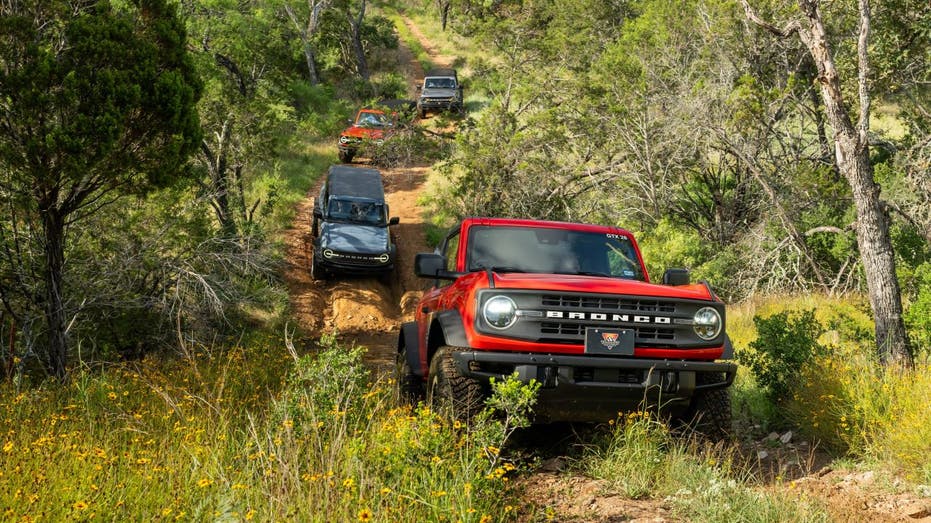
(410, 385)
(461, 397)
(710, 410)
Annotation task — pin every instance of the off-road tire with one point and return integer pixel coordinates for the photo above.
(462, 397)
(410, 385)
(709, 413)
(423, 113)
(346, 156)
(317, 272)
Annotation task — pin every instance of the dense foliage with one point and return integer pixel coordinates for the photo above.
(686, 123)
(200, 112)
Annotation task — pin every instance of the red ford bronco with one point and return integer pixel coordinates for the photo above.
(572, 307)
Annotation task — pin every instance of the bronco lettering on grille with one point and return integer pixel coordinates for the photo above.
(602, 316)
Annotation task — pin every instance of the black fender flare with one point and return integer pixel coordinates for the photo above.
(728, 353)
(408, 340)
(453, 329)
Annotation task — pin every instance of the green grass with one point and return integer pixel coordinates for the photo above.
(641, 459)
(253, 434)
(845, 400)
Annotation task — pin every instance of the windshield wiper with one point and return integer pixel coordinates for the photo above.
(585, 273)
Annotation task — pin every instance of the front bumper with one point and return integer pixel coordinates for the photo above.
(348, 266)
(439, 104)
(597, 388)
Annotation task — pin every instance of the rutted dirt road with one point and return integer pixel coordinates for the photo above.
(364, 311)
(367, 312)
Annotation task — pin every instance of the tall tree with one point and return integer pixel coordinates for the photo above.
(305, 17)
(852, 155)
(97, 101)
(355, 19)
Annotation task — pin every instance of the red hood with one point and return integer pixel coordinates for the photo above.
(595, 284)
(372, 133)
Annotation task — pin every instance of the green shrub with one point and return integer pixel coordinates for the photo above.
(918, 313)
(785, 343)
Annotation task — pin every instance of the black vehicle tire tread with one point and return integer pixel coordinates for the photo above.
(345, 157)
(710, 410)
(462, 396)
(410, 386)
(316, 271)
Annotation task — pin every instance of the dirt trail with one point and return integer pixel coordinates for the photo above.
(368, 312)
(362, 311)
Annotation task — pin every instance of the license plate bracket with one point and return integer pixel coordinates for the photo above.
(607, 341)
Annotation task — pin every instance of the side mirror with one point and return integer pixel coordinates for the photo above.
(429, 265)
(349, 121)
(394, 221)
(317, 211)
(419, 86)
(676, 277)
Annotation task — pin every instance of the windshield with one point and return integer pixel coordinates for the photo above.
(367, 119)
(439, 83)
(357, 211)
(553, 251)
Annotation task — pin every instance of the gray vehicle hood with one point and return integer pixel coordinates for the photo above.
(354, 237)
(439, 93)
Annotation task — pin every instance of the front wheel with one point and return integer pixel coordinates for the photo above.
(345, 156)
(709, 413)
(317, 271)
(462, 397)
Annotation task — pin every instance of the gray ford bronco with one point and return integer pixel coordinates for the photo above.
(440, 91)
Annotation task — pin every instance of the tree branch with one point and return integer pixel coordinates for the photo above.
(863, 72)
(752, 15)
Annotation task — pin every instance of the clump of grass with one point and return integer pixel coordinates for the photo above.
(640, 458)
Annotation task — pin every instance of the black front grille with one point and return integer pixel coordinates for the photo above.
(357, 259)
(578, 329)
(606, 303)
(563, 317)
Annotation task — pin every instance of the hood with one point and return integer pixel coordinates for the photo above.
(373, 133)
(351, 237)
(597, 284)
(439, 93)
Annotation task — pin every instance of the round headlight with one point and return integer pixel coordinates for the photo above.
(344, 139)
(327, 253)
(500, 312)
(707, 323)
(383, 258)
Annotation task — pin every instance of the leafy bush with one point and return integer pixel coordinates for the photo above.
(918, 313)
(785, 343)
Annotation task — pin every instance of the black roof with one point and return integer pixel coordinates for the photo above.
(355, 181)
(441, 72)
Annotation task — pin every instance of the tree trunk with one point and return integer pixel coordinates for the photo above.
(53, 226)
(444, 13)
(356, 26)
(851, 147)
(217, 165)
(311, 63)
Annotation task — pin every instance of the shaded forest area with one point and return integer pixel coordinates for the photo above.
(151, 151)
